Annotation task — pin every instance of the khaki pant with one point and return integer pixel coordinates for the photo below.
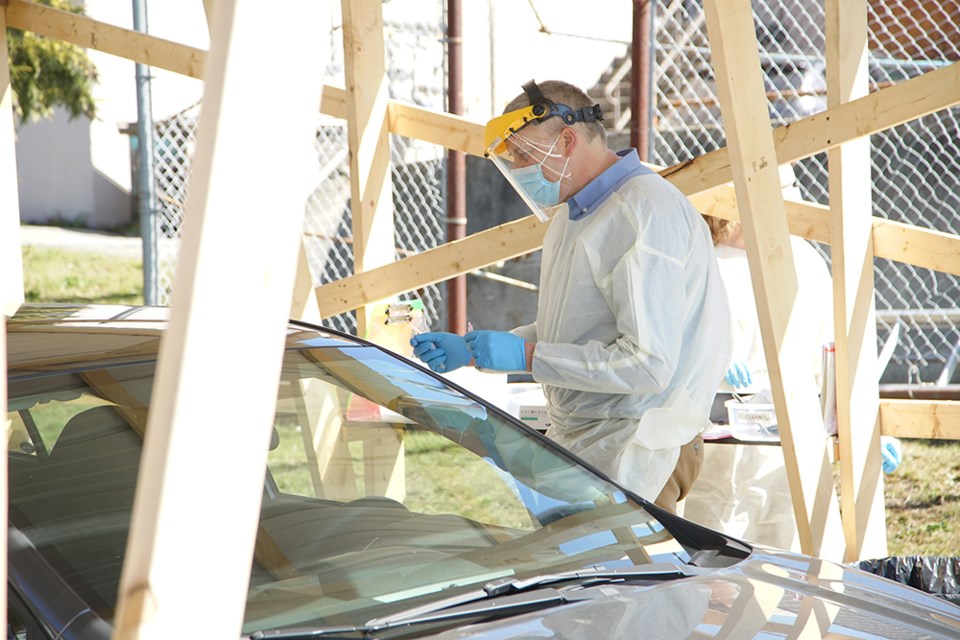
(684, 475)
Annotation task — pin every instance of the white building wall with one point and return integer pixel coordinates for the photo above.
(79, 171)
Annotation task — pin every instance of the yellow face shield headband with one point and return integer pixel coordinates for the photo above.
(499, 129)
(502, 127)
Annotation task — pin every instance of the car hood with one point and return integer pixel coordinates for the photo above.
(770, 595)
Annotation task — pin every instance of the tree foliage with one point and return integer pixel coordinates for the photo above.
(45, 73)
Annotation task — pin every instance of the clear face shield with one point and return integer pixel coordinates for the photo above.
(533, 171)
(533, 167)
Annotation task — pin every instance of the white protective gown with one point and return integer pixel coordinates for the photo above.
(632, 331)
(815, 301)
(742, 489)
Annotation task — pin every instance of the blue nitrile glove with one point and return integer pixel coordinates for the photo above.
(497, 350)
(738, 375)
(442, 352)
(892, 453)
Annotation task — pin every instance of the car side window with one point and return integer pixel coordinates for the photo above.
(34, 431)
(19, 439)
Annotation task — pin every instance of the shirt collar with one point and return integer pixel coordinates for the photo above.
(596, 192)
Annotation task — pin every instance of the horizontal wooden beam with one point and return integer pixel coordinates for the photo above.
(703, 179)
(924, 248)
(434, 265)
(892, 240)
(907, 243)
(805, 219)
(878, 111)
(334, 102)
(446, 129)
(93, 34)
(926, 419)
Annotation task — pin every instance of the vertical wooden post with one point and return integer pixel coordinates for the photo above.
(11, 265)
(368, 136)
(216, 388)
(11, 256)
(305, 305)
(753, 161)
(4, 482)
(855, 329)
(208, 11)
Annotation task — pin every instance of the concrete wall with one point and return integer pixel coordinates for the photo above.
(492, 201)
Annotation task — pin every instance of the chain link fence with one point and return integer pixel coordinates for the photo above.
(415, 72)
(916, 166)
(172, 153)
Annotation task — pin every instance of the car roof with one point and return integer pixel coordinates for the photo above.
(45, 336)
(114, 315)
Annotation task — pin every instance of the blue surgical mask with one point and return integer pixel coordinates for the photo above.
(536, 186)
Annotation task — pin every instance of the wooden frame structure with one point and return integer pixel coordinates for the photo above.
(852, 115)
(855, 324)
(755, 167)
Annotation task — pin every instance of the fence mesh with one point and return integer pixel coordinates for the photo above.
(415, 71)
(916, 166)
(172, 154)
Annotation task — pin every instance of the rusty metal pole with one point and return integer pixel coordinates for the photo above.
(456, 169)
(640, 77)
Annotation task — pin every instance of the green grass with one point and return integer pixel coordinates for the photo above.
(58, 275)
(923, 500)
(922, 496)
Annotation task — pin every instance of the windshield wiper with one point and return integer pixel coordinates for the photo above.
(498, 597)
(509, 605)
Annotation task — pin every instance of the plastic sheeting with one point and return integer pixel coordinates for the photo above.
(936, 575)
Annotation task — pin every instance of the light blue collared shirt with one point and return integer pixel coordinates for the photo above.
(588, 199)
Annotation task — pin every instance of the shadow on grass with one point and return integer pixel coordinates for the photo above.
(925, 502)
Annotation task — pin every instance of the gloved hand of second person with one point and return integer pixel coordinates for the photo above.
(892, 453)
(738, 375)
(497, 350)
(442, 352)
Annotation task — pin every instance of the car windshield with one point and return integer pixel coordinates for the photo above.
(386, 487)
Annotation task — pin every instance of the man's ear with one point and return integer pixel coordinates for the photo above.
(570, 140)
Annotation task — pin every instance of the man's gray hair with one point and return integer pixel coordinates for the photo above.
(562, 93)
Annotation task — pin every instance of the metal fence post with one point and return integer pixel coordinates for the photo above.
(146, 185)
